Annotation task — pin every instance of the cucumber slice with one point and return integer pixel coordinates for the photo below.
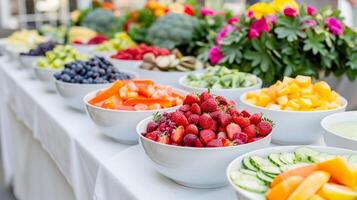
(259, 162)
(275, 159)
(287, 158)
(293, 166)
(317, 159)
(251, 185)
(304, 154)
(352, 159)
(270, 169)
(262, 176)
(248, 172)
(248, 165)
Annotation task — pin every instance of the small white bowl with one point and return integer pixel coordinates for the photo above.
(28, 62)
(236, 164)
(120, 124)
(293, 127)
(73, 93)
(190, 166)
(46, 75)
(233, 93)
(334, 139)
(87, 49)
(132, 65)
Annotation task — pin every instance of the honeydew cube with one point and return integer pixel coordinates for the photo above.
(283, 100)
(263, 99)
(305, 103)
(274, 106)
(294, 104)
(303, 80)
(322, 88)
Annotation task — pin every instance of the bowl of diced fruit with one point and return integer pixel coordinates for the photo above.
(81, 77)
(297, 105)
(28, 59)
(295, 172)
(118, 109)
(54, 62)
(89, 47)
(222, 81)
(194, 144)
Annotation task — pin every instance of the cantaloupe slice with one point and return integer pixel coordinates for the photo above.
(304, 171)
(317, 197)
(284, 188)
(310, 186)
(332, 191)
(340, 171)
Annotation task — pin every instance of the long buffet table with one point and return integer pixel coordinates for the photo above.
(51, 151)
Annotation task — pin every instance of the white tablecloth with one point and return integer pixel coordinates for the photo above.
(62, 155)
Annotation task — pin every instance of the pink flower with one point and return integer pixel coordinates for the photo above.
(250, 14)
(223, 33)
(311, 10)
(233, 20)
(290, 12)
(310, 22)
(215, 55)
(334, 25)
(257, 27)
(272, 19)
(207, 12)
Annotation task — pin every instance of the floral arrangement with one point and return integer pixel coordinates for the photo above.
(281, 38)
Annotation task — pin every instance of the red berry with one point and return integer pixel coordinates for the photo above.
(214, 126)
(209, 105)
(152, 126)
(264, 128)
(215, 114)
(254, 139)
(222, 129)
(233, 111)
(196, 109)
(190, 140)
(187, 114)
(237, 142)
(245, 113)
(241, 121)
(205, 121)
(185, 108)
(215, 143)
(227, 142)
(177, 134)
(255, 118)
(221, 100)
(198, 143)
(232, 130)
(204, 96)
(222, 135)
(152, 135)
(250, 131)
(193, 119)
(164, 139)
(179, 118)
(224, 119)
(191, 99)
(207, 135)
(191, 129)
(243, 137)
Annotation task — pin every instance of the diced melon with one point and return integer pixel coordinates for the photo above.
(263, 99)
(332, 191)
(294, 88)
(322, 88)
(284, 188)
(317, 197)
(283, 91)
(303, 171)
(294, 95)
(283, 100)
(305, 103)
(303, 80)
(273, 106)
(251, 95)
(307, 90)
(293, 104)
(252, 101)
(288, 80)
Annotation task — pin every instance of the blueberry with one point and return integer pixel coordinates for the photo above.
(66, 78)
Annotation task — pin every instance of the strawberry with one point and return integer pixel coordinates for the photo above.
(254, 139)
(243, 137)
(191, 129)
(215, 114)
(224, 119)
(237, 142)
(255, 118)
(207, 135)
(205, 121)
(250, 131)
(214, 126)
(187, 114)
(264, 128)
(191, 99)
(152, 135)
(232, 130)
(190, 140)
(222, 135)
(241, 121)
(164, 139)
(227, 142)
(179, 118)
(185, 108)
(193, 119)
(152, 126)
(221, 129)
(177, 134)
(245, 113)
(221, 100)
(209, 105)
(204, 96)
(233, 111)
(231, 103)
(195, 109)
(198, 143)
(215, 143)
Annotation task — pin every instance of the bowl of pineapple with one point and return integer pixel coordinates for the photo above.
(296, 105)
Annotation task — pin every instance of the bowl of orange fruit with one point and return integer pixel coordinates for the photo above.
(295, 173)
(117, 110)
(297, 105)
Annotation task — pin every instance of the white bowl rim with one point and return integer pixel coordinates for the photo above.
(324, 123)
(91, 84)
(141, 123)
(260, 82)
(85, 45)
(343, 106)
(269, 149)
(90, 94)
(29, 56)
(36, 67)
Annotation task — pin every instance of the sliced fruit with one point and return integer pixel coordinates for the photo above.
(316, 197)
(285, 188)
(304, 171)
(332, 191)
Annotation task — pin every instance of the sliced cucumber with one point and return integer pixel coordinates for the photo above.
(287, 158)
(259, 162)
(251, 185)
(262, 176)
(248, 165)
(248, 172)
(270, 169)
(304, 154)
(352, 159)
(317, 158)
(275, 159)
(293, 166)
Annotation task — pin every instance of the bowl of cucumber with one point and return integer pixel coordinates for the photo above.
(252, 173)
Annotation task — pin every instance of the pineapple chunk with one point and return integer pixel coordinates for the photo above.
(288, 80)
(322, 88)
(263, 99)
(283, 100)
(293, 104)
(305, 102)
(251, 95)
(303, 80)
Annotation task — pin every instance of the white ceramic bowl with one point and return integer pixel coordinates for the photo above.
(190, 166)
(73, 93)
(45, 75)
(88, 49)
(237, 163)
(233, 94)
(120, 124)
(28, 62)
(132, 65)
(334, 139)
(293, 127)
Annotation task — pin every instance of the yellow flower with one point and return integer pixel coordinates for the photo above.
(261, 9)
(280, 5)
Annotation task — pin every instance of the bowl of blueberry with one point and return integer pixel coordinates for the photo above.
(81, 77)
(28, 59)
